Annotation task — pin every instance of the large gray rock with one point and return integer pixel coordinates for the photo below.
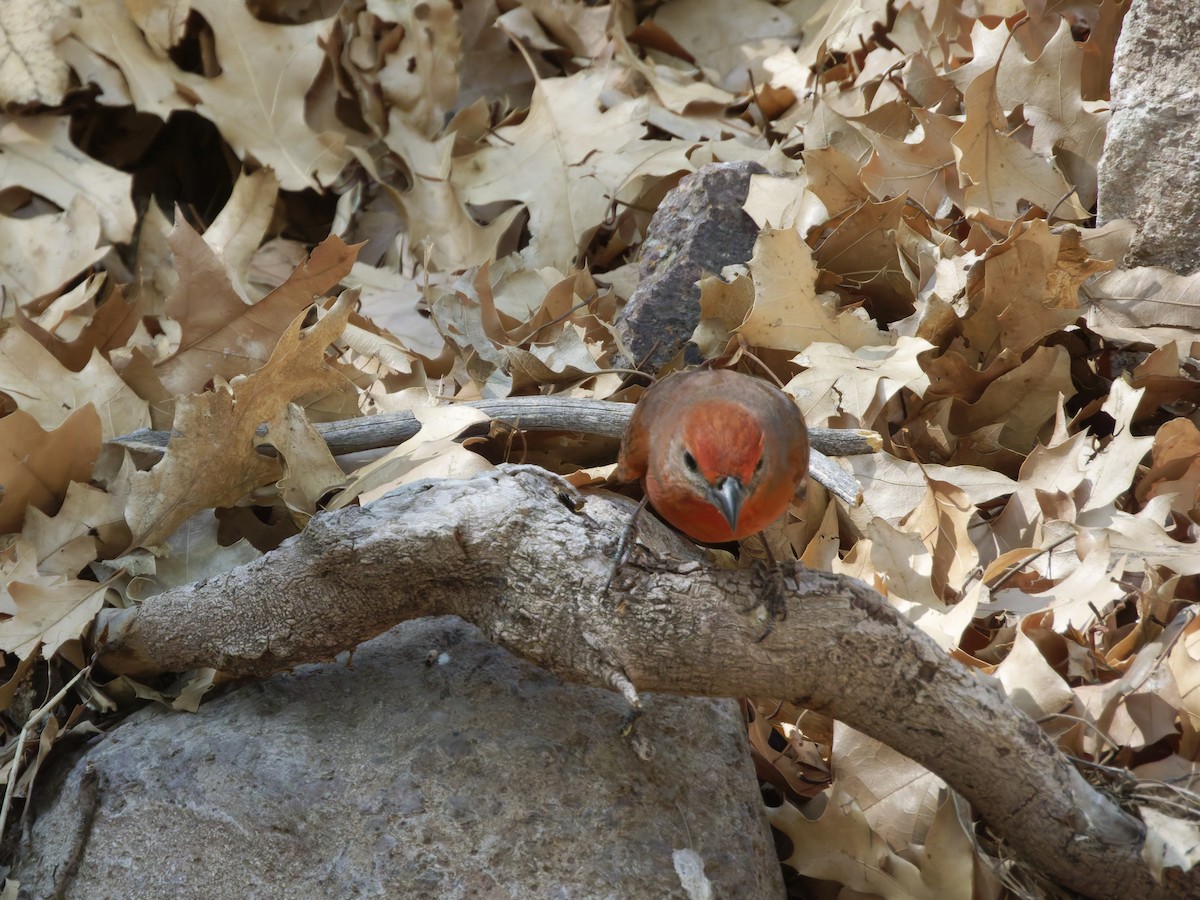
(1150, 172)
(434, 765)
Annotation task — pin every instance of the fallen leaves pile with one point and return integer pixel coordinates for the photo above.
(179, 182)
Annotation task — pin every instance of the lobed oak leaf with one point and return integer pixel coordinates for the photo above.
(437, 215)
(1175, 467)
(1001, 175)
(1029, 681)
(194, 553)
(941, 522)
(37, 467)
(39, 255)
(840, 384)
(239, 228)
(212, 459)
(893, 487)
(36, 153)
(788, 313)
(65, 543)
(729, 39)
(223, 336)
(259, 101)
(1024, 399)
(840, 845)
(836, 179)
(432, 453)
(108, 326)
(923, 170)
(564, 162)
(309, 469)
(1030, 289)
(41, 386)
(47, 616)
(863, 249)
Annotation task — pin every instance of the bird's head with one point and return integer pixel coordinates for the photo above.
(720, 455)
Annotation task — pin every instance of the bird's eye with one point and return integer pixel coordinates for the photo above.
(690, 462)
(758, 467)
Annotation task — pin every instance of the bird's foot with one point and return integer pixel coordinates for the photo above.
(772, 596)
(624, 545)
(616, 678)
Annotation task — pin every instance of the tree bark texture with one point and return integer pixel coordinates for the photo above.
(522, 556)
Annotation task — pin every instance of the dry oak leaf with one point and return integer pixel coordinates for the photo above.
(433, 452)
(30, 70)
(839, 382)
(788, 314)
(1000, 173)
(1030, 290)
(239, 228)
(39, 255)
(107, 28)
(841, 846)
(41, 386)
(108, 326)
(437, 216)
(898, 797)
(194, 553)
(65, 543)
(36, 466)
(924, 171)
(565, 162)
(36, 153)
(47, 615)
(223, 335)
(1024, 399)
(211, 459)
(1175, 467)
(863, 248)
(1048, 87)
(258, 101)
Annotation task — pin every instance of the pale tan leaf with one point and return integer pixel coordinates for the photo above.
(49, 616)
(30, 70)
(37, 154)
(193, 553)
(1001, 173)
(565, 162)
(841, 846)
(64, 543)
(1030, 682)
(44, 388)
(39, 255)
(788, 313)
(309, 469)
(898, 797)
(238, 230)
(892, 487)
(431, 453)
(839, 382)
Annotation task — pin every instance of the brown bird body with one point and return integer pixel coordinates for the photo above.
(719, 454)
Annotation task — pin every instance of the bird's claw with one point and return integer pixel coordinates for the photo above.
(772, 596)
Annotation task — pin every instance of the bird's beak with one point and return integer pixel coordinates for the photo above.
(727, 495)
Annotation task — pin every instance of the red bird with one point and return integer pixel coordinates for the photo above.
(719, 454)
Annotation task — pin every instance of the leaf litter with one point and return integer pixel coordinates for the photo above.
(474, 186)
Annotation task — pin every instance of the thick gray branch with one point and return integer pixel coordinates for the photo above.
(508, 552)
